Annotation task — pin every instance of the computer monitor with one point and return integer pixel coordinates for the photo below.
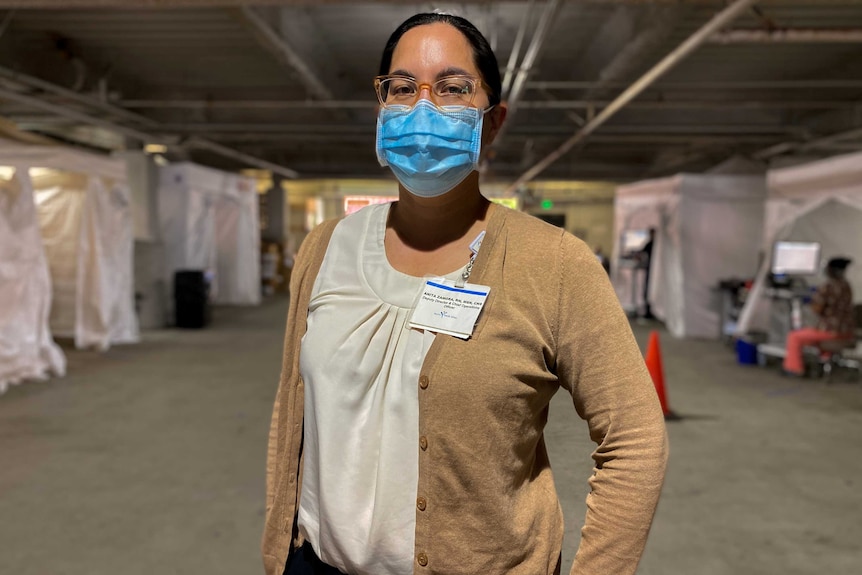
(796, 258)
(634, 240)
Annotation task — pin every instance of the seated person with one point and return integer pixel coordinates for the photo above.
(833, 303)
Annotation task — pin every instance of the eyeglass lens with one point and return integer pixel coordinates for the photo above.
(451, 91)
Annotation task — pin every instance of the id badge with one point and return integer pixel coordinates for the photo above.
(444, 307)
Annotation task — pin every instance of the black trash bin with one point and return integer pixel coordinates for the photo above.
(191, 299)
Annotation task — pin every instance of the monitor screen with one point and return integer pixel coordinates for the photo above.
(796, 258)
(634, 240)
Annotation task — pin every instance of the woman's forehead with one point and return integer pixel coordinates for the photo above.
(432, 48)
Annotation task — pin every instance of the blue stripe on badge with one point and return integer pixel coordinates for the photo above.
(459, 290)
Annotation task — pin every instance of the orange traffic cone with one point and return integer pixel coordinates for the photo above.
(656, 370)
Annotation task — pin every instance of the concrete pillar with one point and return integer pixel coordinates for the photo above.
(273, 209)
(151, 290)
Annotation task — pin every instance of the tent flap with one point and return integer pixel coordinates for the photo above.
(27, 350)
(85, 224)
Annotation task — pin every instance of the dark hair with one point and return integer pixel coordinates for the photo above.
(839, 264)
(483, 55)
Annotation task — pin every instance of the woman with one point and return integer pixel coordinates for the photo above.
(407, 437)
(833, 304)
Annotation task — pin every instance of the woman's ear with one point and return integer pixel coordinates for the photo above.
(493, 122)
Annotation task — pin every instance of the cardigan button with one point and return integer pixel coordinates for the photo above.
(423, 382)
(422, 559)
(423, 443)
(421, 503)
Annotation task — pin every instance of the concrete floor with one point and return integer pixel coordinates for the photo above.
(149, 459)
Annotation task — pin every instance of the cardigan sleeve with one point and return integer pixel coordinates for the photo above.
(307, 251)
(600, 364)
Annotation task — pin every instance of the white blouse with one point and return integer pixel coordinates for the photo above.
(360, 364)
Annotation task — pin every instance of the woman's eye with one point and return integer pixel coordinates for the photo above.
(454, 89)
(402, 90)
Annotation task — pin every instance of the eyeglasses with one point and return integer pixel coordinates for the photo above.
(402, 92)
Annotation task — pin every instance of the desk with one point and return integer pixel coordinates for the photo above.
(790, 314)
(794, 298)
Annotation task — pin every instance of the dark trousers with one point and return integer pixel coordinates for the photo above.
(305, 562)
(647, 310)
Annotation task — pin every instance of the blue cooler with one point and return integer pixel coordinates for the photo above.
(746, 352)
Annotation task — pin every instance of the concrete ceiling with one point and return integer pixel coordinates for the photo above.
(286, 85)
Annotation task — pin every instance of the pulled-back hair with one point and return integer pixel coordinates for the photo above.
(483, 55)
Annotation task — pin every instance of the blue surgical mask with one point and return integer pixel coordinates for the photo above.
(429, 150)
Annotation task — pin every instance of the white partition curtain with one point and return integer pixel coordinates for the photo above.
(27, 349)
(85, 223)
(209, 222)
(816, 202)
(707, 229)
(237, 232)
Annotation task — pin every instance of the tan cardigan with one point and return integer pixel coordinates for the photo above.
(486, 501)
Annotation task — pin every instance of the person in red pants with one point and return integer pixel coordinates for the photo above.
(833, 303)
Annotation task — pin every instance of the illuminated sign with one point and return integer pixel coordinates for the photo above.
(356, 203)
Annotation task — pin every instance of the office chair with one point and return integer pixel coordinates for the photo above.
(842, 353)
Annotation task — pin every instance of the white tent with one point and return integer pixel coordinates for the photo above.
(816, 202)
(209, 222)
(27, 350)
(707, 229)
(84, 212)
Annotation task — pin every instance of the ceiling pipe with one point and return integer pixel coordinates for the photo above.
(240, 156)
(789, 36)
(39, 84)
(33, 102)
(512, 64)
(549, 15)
(718, 22)
(143, 137)
(824, 141)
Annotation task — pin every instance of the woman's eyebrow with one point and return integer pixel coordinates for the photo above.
(451, 71)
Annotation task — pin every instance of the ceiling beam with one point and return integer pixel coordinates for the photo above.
(161, 4)
(807, 145)
(789, 36)
(719, 21)
(556, 130)
(241, 157)
(270, 39)
(73, 96)
(157, 134)
(680, 140)
(705, 86)
(557, 104)
(66, 112)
